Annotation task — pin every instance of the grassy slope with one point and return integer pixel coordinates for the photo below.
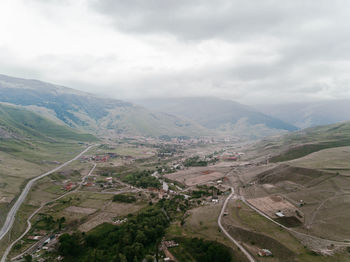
(30, 125)
(308, 141)
(29, 146)
(139, 121)
(91, 113)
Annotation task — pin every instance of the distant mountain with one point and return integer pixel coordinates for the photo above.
(218, 114)
(90, 113)
(305, 115)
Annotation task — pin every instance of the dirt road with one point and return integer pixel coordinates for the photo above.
(245, 252)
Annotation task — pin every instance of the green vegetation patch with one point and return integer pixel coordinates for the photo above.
(142, 179)
(195, 161)
(303, 150)
(131, 241)
(199, 250)
(124, 198)
(24, 123)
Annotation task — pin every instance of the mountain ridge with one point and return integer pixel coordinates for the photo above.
(310, 114)
(91, 113)
(214, 113)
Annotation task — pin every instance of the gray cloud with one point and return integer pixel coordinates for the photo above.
(251, 51)
(203, 19)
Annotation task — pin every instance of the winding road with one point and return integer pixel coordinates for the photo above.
(12, 213)
(245, 252)
(29, 224)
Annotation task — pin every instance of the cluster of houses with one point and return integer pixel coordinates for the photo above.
(120, 221)
(44, 242)
(231, 156)
(69, 186)
(99, 158)
(168, 244)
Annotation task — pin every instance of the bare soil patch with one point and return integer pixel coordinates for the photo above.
(109, 212)
(80, 210)
(199, 175)
(272, 204)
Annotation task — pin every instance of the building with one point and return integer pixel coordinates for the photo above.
(264, 253)
(279, 214)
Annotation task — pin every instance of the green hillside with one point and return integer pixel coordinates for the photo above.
(22, 124)
(92, 114)
(311, 140)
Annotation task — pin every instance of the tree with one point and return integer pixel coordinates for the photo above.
(70, 245)
(140, 237)
(28, 258)
(122, 258)
(149, 258)
(60, 222)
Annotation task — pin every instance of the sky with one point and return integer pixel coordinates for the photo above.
(254, 52)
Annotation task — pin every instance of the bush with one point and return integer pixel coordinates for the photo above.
(142, 179)
(124, 198)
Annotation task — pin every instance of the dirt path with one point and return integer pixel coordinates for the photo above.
(315, 212)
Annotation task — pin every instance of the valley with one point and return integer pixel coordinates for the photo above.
(83, 176)
(83, 194)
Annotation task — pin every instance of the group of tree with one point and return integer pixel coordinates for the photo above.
(204, 190)
(204, 250)
(47, 222)
(174, 207)
(195, 161)
(131, 241)
(124, 198)
(142, 179)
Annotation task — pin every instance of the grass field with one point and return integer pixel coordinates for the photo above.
(27, 162)
(325, 194)
(42, 192)
(332, 160)
(261, 233)
(202, 223)
(299, 144)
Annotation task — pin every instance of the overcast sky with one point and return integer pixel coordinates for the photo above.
(260, 51)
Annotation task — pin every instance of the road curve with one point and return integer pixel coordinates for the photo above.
(245, 252)
(12, 213)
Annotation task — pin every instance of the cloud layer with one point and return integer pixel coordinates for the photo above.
(266, 51)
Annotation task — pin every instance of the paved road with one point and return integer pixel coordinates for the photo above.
(7, 251)
(11, 215)
(245, 252)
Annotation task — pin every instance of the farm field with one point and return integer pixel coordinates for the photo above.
(198, 175)
(202, 223)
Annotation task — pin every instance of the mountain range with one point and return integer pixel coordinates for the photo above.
(304, 115)
(105, 116)
(89, 113)
(220, 115)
